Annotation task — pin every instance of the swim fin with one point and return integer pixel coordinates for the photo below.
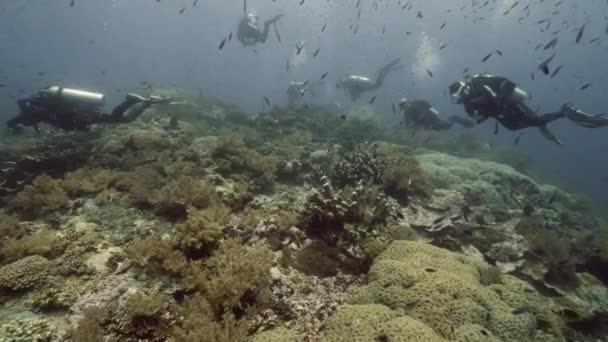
(583, 119)
(546, 132)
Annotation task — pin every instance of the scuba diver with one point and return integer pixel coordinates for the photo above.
(296, 90)
(485, 96)
(249, 32)
(420, 114)
(355, 84)
(73, 109)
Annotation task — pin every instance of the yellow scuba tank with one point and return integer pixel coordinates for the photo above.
(76, 96)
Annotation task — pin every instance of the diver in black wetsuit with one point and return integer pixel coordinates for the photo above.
(249, 32)
(420, 114)
(356, 84)
(73, 109)
(485, 96)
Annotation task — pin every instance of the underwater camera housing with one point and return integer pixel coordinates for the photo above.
(69, 96)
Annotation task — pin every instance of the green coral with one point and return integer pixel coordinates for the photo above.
(87, 181)
(28, 330)
(175, 197)
(372, 322)
(280, 334)
(25, 274)
(444, 290)
(234, 157)
(44, 196)
(481, 182)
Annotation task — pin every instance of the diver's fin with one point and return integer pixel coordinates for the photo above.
(546, 132)
(583, 119)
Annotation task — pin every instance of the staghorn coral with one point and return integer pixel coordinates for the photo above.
(349, 214)
(199, 235)
(442, 290)
(175, 197)
(146, 317)
(43, 242)
(197, 322)
(44, 196)
(157, 255)
(139, 183)
(87, 181)
(235, 277)
(234, 157)
(24, 274)
(90, 326)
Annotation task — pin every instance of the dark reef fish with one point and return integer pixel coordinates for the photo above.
(267, 101)
(551, 43)
(579, 35)
(182, 10)
(553, 197)
(520, 310)
(556, 71)
(324, 75)
(487, 57)
(316, 52)
(429, 73)
(585, 86)
(517, 138)
(372, 100)
(544, 66)
(72, 3)
(299, 48)
(222, 44)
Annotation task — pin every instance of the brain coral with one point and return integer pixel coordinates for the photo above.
(442, 291)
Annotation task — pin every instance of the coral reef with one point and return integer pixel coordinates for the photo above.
(443, 290)
(24, 274)
(44, 196)
(198, 222)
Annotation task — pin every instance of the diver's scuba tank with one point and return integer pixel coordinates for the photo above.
(519, 95)
(75, 96)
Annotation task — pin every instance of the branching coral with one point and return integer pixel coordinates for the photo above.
(199, 235)
(43, 242)
(234, 157)
(198, 323)
(175, 197)
(328, 212)
(236, 277)
(44, 196)
(87, 181)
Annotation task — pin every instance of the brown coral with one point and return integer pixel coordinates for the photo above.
(87, 181)
(175, 197)
(199, 235)
(44, 196)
